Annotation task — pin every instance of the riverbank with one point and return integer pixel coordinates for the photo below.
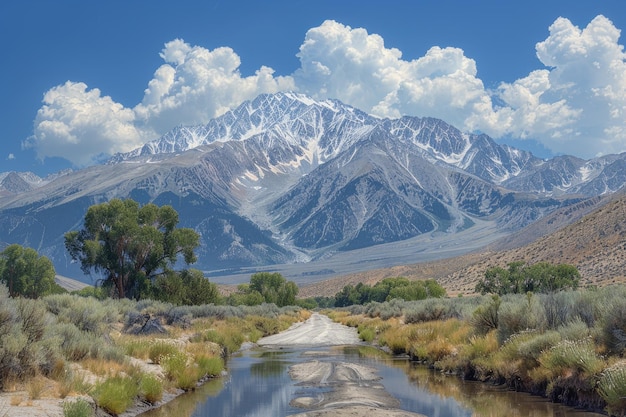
(127, 357)
(566, 347)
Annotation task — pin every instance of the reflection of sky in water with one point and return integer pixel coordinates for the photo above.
(258, 385)
(419, 400)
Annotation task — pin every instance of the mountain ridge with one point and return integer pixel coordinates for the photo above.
(284, 179)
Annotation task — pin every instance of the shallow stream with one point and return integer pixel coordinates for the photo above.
(258, 385)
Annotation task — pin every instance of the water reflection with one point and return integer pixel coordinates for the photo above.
(259, 385)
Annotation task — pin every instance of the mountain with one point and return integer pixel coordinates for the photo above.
(590, 235)
(314, 188)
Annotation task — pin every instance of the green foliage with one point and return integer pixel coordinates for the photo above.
(25, 347)
(389, 289)
(26, 273)
(188, 287)
(130, 245)
(116, 394)
(151, 388)
(520, 278)
(265, 287)
(274, 288)
(485, 317)
(99, 293)
(612, 388)
(160, 351)
(78, 408)
(210, 366)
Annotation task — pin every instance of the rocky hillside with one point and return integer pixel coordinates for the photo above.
(591, 236)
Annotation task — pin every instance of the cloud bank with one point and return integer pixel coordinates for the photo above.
(574, 103)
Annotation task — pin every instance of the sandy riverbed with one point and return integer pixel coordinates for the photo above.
(354, 389)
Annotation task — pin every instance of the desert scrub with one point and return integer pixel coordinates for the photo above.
(115, 395)
(612, 388)
(161, 349)
(151, 388)
(77, 345)
(180, 370)
(433, 341)
(572, 369)
(135, 346)
(78, 408)
(88, 314)
(209, 366)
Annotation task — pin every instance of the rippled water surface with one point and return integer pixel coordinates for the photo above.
(258, 385)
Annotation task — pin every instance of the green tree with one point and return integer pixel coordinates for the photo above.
(198, 289)
(188, 287)
(26, 273)
(520, 278)
(274, 288)
(130, 245)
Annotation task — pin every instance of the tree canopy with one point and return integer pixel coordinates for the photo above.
(388, 289)
(266, 287)
(188, 287)
(130, 245)
(26, 273)
(521, 278)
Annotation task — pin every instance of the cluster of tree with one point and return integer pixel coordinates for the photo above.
(134, 249)
(265, 287)
(521, 278)
(27, 274)
(388, 289)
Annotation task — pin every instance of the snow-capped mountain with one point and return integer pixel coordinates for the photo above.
(284, 178)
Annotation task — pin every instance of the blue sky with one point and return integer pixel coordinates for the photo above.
(84, 79)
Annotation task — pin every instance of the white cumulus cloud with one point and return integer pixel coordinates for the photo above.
(81, 125)
(196, 84)
(578, 104)
(573, 103)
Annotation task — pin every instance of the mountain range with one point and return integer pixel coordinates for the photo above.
(313, 189)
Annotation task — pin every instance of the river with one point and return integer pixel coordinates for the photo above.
(264, 381)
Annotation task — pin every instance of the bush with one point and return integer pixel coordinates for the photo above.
(612, 388)
(78, 408)
(209, 366)
(151, 388)
(485, 317)
(161, 350)
(613, 321)
(116, 394)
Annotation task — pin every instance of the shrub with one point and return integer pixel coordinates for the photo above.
(577, 357)
(519, 313)
(367, 334)
(209, 366)
(613, 321)
(137, 347)
(151, 388)
(161, 350)
(612, 388)
(485, 317)
(116, 394)
(78, 408)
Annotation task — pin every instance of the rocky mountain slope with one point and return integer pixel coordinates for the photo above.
(590, 235)
(286, 180)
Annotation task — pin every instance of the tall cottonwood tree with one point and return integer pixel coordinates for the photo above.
(130, 245)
